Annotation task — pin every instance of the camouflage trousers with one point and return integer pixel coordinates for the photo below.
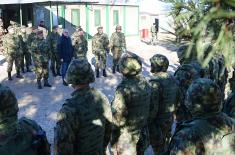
(117, 52)
(160, 134)
(41, 70)
(11, 58)
(100, 60)
(128, 143)
(153, 38)
(55, 63)
(25, 59)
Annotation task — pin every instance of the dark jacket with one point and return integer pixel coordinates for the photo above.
(65, 48)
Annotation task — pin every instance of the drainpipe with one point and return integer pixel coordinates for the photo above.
(50, 17)
(21, 19)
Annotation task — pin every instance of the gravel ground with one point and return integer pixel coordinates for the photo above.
(43, 105)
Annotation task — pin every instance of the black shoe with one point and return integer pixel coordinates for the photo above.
(118, 68)
(97, 73)
(114, 70)
(39, 84)
(65, 83)
(28, 69)
(46, 83)
(23, 71)
(104, 73)
(9, 76)
(19, 76)
(58, 72)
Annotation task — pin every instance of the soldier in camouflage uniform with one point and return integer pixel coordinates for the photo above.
(12, 51)
(84, 122)
(117, 46)
(130, 109)
(229, 105)
(43, 28)
(19, 136)
(79, 43)
(25, 59)
(184, 75)
(153, 31)
(100, 47)
(31, 36)
(164, 85)
(40, 54)
(52, 40)
(2, 33)
(209, 131)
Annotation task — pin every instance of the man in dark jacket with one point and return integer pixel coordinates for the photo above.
(66, 52)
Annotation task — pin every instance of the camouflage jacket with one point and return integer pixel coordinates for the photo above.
(29, 139)
(206, 135)
(52, 40)
(12, 45)
(100, 43)
(229, 105)
(40, 51)
(80, 45)
(82, 123)
(117, 40)
(30, 38)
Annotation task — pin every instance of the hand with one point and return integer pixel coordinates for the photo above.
(61, 60)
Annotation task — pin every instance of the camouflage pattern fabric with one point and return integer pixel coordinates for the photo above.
(31, 36)
(80, 45)
(22, 136)
(184, 76)
(83, 127)
(117, 45)
(44, 30)
(2, 33)
(153, 31)
(130, 111)
(52, 40)
(209, 131)
(79, 72)
(100, 44)
(26, 56)
(40, 55)
(12, 51)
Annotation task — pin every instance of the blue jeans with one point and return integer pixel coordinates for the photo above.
(64, 67)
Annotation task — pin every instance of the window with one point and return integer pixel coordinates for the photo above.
(115, 17)
(97, 17)
(75, 15)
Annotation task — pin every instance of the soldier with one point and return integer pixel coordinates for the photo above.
(31, 36)
(209, 131)
(79, 43)
(130, 109)
(52, 40)
(229, 105)
(19, 136)
(117, 46)
(100, 44)
(13, 52)
(2, 33)
(40, 54)
(153, 31)
(164, 85)
(84, 121)
(184, 75)
(43, 28)
(26, 55)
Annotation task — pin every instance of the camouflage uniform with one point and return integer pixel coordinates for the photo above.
(153, 31)
(210, 131)
(2, 33)
(164, 85)
(130, 109)
(26, 54)
(117, 46)
(229, 105)
(84, 121)
(19, 137)
(184, 75)
(52, 40)
(13, 52)
(40, 54)
(100, 44)
(80, 44)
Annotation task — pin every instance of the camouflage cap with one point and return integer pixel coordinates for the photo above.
(99, 27)
(79, 72)
(118, 27)
(186, 73)
(159, 63)
(203, 97)
(130, 64)
(8, 102)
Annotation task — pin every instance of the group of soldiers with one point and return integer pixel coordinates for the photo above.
(141, 113)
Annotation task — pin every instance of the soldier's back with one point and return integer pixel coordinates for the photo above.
(29, 139)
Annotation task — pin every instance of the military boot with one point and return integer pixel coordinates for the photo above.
(104, 73)
(58, 72)
(22, 69)
(39, 84)
(65, 83)
(9, 76)
(28, 69)
(46, 83)
(18, 75)
(53, 72)
(114, 70)
(97, 73)
(118, 70)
